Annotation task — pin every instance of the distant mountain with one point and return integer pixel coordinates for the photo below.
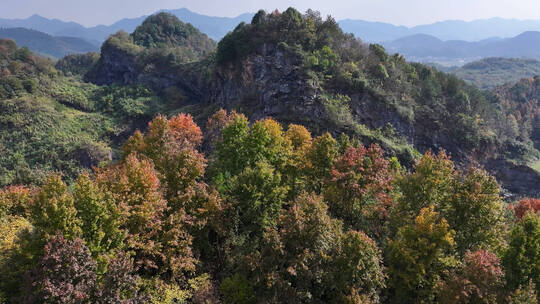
(426, 48)
(444, 30)
(495, 71)
(46, 44)
(214, 27)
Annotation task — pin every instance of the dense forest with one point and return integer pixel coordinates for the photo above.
(288, 163)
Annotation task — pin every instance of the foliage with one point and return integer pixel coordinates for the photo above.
(77, 64)
(166, 30)
(53, 210)
(358, 191)
(479, 280)
(522, 259)
(65, 274)
(418, 256)
(525, 206)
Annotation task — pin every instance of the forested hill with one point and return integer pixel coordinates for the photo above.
(291, 163)
(304, 69)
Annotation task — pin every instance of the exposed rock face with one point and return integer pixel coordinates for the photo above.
(516, 178)
(269, 83)
(116, 66)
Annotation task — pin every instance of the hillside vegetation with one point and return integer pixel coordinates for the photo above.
(292, 164)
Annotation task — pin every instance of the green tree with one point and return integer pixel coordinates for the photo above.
(53, 210)
(257, 195)
(522, 259)
(319, 160)
(99, 217)
(475, 212)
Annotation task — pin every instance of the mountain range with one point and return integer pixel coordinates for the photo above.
(214, 27)
(425, 48)
(445, 30)
(45, 44)
(449, 43)
(217, 27)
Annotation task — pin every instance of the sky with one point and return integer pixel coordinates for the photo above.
(399, 12)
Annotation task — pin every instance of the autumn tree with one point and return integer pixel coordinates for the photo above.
(161, 243)
(172, 146)
(356, 274)
(214, 128)
(119, 285)
(479, 279)
(65, 274)
(294, 254)
(417, 256)
(429, 184)
(358, 191)
(19, 247)
(525, 206)
(294, 175)
(15, 200)
(468, 200)
(307, 257)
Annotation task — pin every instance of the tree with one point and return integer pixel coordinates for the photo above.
(300, 139)
(231, 152)
(243, 146)
(119, 284)
(478, 280)
(307, 257)
(99, 217)
(475, 212)
(65, 274)
(417, 256)
(172, 147)
(257, 195)
(522, 259)
(356, 268)
(214, 128)
(319, 160)
(16, 256)
(429, 184)
(15, 200)
(53, 210)
(160, 242)
(358, 190)
(525, 206)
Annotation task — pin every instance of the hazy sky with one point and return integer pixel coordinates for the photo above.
(402, 12)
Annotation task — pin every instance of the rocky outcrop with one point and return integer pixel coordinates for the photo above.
(517, 179)
(115, 66)
(269, 83)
